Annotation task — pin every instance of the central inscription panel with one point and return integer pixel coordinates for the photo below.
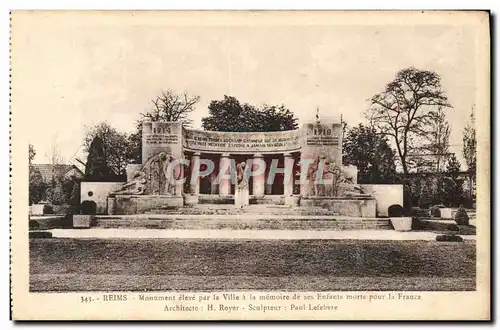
(241, 142)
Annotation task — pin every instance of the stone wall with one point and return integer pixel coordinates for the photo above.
(135, 204)
(353, 207)
(98, 192)
(385, 196)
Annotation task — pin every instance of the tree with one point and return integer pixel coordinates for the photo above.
(229, 115)
(371, 153)
(404, 110)
(116, 148)
(449, 185)
(32, 153)
(71, 190)
(96, 168)
(456, 192)
(37, 187)
(55, 155)
(57, 197)
(438, 137)
(453, 166)
(469, 146)
(170, 106)
(135, 146)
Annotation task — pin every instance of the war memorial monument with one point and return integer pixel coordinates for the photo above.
(297, 173)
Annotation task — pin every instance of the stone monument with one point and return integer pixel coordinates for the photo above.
(175, 172)
(153, 183)
(328, 184)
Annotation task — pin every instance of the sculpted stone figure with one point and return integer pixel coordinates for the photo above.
(332, 181)
(240, 175)
(135, 187)
(311, 177)
(241, 197)
(152, 178)
(169, 175)
(343, 185)
(154, 171)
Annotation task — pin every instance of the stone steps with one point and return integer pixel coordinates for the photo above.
(253, 222)
(251, 209)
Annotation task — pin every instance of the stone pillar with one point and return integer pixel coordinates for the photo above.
(259, 181)
(195, 171)
(213, 183)
(224, 171)
(288, 176)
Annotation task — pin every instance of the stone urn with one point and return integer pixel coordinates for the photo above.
(292, 200)
(190, 200)
(401, 223)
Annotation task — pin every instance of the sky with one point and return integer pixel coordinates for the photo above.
(83, 69)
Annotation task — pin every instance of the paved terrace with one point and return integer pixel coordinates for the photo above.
(378, 235)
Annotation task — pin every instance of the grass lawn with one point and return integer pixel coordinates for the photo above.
(200, 265)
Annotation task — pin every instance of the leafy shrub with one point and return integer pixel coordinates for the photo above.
(58, 196)
(467, 230)
(426, 196)
(48, 209)
(461, 217)
(449, 238)
(425, 201)
(435, 210)
(65, 209)
(396, 211)
(37, 187)
(33, 224)
(420, 213)
(40, 234)
(453, 229)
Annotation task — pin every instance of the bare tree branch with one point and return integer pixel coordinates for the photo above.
(404, 111)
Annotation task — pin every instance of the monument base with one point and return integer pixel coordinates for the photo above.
(138, 204)
(82, 220)
(241, 197)
(365, 207)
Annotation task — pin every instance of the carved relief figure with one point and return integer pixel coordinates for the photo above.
(157, 174)
(152, 178)
(334, 174)
(135, 187)
(325, 178)
(169, 175)
(312, 177)
(342, 184)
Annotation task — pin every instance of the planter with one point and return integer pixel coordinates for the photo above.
(402, 223)
(191, 200)
(292, 200)
(446, 213)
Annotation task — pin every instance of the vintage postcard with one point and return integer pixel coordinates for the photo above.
(259, 165)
